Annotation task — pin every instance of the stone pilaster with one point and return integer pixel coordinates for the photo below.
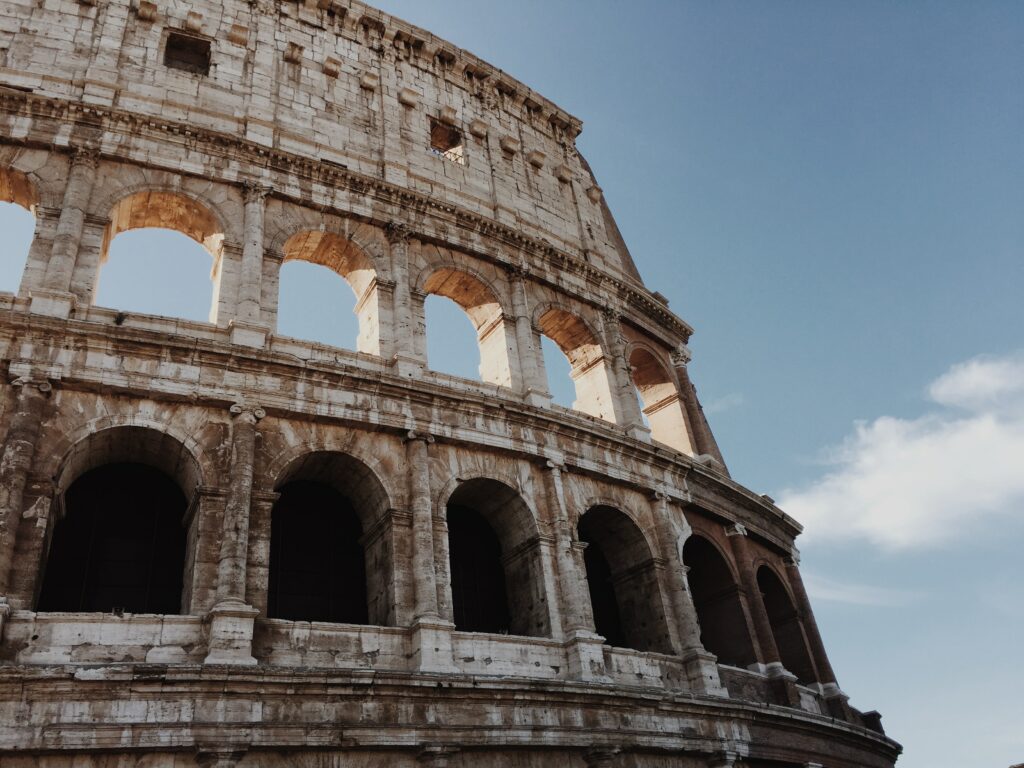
(407, 360)
(701, 437)
(248, 328)
(535, 387)
(232, 618)
(431, 632)
(627, 406)
(837, 700)
(55, 297)
(701, 666)
(15, 464)
(784, 682)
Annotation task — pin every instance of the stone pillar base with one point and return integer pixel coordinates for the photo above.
(231, 630)
(838, 703)
(432, 645)
(585, 651)
(537, 399)
(702, 674)
(782, 684)
(52, 303)
(248, 334)
(407, 367)
(639, 432)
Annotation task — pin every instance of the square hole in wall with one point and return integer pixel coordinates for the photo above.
(187, 53)
(447, 141)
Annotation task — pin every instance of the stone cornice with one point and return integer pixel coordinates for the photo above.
(340, 177)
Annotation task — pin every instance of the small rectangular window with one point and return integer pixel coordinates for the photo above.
(187, 53)
(446, 141)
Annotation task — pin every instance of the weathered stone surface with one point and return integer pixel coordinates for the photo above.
(302, 131)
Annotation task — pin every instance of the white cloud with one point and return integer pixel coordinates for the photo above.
(919, 483)
(821, 588)
(725, 403)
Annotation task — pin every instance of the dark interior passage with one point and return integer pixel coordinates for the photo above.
(120, 545)
(625, 594)
(723, 624)
(317, 563)
(479, 595)
(607, 619)
(786, 626)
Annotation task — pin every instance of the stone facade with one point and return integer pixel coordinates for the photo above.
(325, 131)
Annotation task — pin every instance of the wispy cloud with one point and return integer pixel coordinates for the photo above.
(822, 588)
(725, 403)
(920, 483)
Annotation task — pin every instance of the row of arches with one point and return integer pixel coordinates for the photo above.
(161, 252)
(124, 541)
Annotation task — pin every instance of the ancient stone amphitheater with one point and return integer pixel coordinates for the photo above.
(221, 546)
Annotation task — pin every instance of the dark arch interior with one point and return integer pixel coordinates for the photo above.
(479, 595)
(607, 619)
(120, 545)
(317, 563)
(624, 590)
(723, 625)
(786, 626)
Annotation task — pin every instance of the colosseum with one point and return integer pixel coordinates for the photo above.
(220, 546)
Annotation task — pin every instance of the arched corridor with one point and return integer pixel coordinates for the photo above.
(787, 628)
(624, 589)
(18, 201)
(723, 624)
(120, 545)
(497, 578)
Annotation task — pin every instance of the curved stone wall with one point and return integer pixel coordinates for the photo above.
(330, 133)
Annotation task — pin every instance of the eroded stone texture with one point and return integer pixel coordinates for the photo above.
(327, 132)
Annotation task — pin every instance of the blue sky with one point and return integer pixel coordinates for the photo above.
(831, 193)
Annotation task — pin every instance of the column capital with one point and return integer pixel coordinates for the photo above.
(45, 386)
(397, 232)
(601, 757)
(681, 356)
(553, 465)
(219, 757)
(517, 271)
(611, 315)
(659, 495)
(85, 157)
(412, 436)
(737, 529)
(255, 192)
(248, 412)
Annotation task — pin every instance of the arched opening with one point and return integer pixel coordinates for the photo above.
(311, 307)
(317, 568)
(497, 577)
(723, 624)
(451, 339)
(623, 581)
(330, 555)
(120, 545)
(586, 360)
(662, 406)
(119, 542)
(787, 628)
(493, 335)
(18, 200)
(559, 374)
(156, 257)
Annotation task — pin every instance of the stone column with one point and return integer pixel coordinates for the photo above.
(407, 360)
(535, 387)
(431, 633)
(837, 700)
(628, 410)
(15, 464)
(701, 437)
(584, 647)
(247, 328)
(673, 531)
(232, 619)
(55, 298)
(771, 661)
